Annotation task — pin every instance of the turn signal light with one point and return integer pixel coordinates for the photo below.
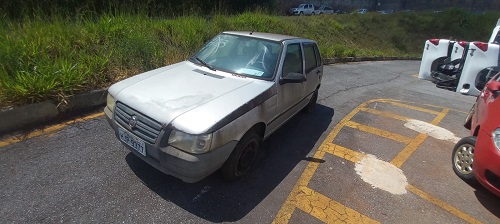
(434, 41)
(481, 45)
(462, 43)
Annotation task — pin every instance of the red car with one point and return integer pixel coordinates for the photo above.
(477, 157)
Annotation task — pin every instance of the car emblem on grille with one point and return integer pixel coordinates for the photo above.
(132, 122)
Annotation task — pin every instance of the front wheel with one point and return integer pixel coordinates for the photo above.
(242, 158)
(462, 158)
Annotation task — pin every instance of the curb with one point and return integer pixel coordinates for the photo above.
(16, 118)
(328, 61)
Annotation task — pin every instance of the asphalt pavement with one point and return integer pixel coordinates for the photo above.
(79, 171)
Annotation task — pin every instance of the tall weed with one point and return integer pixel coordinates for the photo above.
(50, 58)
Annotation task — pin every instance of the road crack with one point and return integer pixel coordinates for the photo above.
(360, 86)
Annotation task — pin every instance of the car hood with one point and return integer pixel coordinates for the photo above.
(175, 91)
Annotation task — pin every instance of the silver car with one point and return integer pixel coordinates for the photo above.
(212, 111)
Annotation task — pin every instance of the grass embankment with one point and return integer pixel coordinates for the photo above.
(53, 58)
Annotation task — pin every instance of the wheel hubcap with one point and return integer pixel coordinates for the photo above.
(464, 157)
(246, 158)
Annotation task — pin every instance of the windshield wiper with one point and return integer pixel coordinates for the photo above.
(204, 63)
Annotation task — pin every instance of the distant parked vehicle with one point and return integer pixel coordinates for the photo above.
(383, 12)
(303, 9)
(324, 10)
(338, 12)
(360, 11)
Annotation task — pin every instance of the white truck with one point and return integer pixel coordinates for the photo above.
(437, 50)
(303, 9)
(481, 61)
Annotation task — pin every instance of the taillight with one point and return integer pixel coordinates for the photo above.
(434, 41)
(481, 45)
(462, 43)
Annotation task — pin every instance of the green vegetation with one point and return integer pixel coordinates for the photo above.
(53, 57)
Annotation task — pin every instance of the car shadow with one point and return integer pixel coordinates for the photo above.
(215, 200)
(490, 201)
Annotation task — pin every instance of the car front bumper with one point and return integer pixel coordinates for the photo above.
(188, 167)
(486, 162)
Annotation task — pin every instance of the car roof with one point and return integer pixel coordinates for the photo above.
(268, 36)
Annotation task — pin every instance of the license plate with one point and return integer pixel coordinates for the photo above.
(132, 141)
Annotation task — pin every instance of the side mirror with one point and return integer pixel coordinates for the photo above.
(293, 77)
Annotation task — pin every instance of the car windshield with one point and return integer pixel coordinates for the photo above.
(243, 55)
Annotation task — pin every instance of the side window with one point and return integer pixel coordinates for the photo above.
(497, 38)
(310, 55)
(319, 60)
(293, 59)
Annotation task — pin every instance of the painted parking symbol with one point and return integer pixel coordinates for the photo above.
(383, 175)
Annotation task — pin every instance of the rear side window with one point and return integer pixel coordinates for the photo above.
(310, 56)
(497, 38)
(318, 56)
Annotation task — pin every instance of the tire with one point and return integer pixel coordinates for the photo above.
(243, 157)
(462, 157)
(301, 13)
(311, 106)
(468, 119)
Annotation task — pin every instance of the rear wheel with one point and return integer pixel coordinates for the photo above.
(312, 103)
(462, 158)
(243, 157)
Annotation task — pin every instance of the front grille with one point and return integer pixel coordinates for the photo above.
(146, 128)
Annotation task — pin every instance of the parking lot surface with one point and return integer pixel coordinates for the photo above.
(376, 150)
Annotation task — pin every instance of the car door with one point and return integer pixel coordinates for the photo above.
(290, 95)
(312, 65)
(309, 10)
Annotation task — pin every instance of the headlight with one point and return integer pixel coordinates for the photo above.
(496, 138)
(110, 102)
(190, 143)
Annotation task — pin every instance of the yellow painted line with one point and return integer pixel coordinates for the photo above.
(379, 132)
(326, 209)
(459, 111)
(415, 108)
(441, 204)
(286, 211)
(330, 211)
(48, 130)
(412, 147)
(386, 114)
(342, 152)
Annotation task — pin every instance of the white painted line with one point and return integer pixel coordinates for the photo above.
(431, 130)
(381, 174)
